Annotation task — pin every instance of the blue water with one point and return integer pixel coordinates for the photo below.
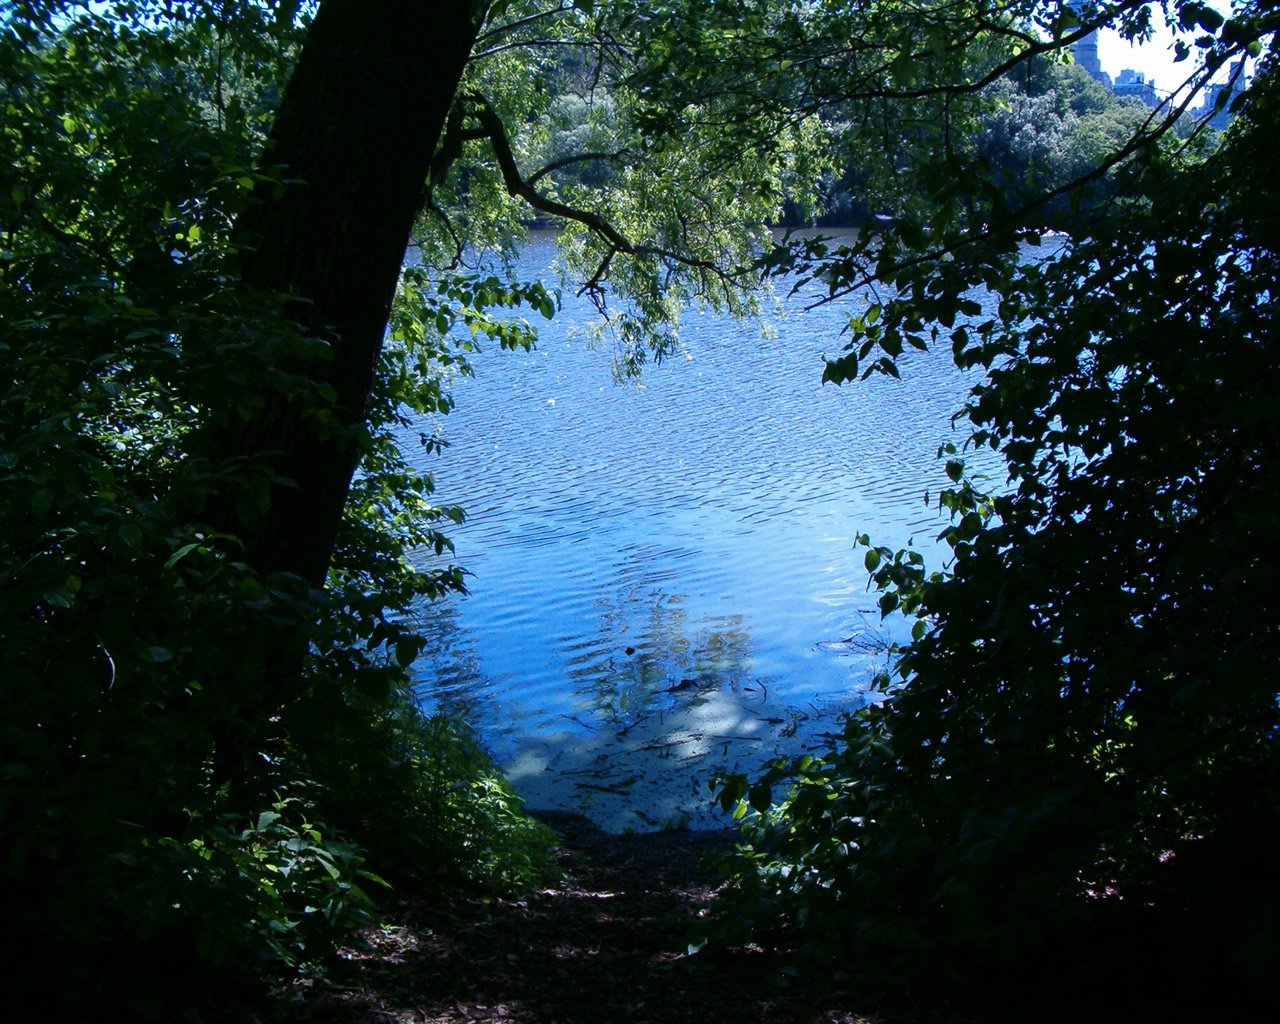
(628, 540)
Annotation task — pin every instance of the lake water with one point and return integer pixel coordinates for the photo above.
(675, 558)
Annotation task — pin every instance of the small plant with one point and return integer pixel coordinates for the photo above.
(472, 817)
(279, 883)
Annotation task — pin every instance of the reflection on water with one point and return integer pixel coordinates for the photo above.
(665, 654)
(631, 545)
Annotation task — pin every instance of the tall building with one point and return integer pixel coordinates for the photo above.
(1135, 83)
(1219, 96)
(1220, 116)
(1085, 50)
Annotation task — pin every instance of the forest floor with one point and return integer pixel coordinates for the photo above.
(608, 943)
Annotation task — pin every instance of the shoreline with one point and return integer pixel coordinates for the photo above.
(656, 774)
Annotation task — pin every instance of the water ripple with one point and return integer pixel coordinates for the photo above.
(699, 527)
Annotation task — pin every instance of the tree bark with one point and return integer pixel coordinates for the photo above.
(354, 138)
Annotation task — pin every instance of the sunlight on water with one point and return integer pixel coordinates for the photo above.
(632, 544)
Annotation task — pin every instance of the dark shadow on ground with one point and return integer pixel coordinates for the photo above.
(608, 943)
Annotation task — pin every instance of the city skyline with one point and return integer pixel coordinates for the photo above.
(1153, 59)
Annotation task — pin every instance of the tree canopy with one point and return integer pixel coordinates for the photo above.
(1073, 767)
(208, 522)
(234, 242)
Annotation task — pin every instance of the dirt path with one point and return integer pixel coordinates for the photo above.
(608, 944)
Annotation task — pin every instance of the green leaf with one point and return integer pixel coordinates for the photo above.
(130, 533)
(902, 70)
(63, 594)
(181, 553)
(1209, 19)
(407, 650)
(840, 371)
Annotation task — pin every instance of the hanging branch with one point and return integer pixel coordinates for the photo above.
(578, 158)
(490, 126)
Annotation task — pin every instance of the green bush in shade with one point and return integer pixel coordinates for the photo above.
(1075, 764)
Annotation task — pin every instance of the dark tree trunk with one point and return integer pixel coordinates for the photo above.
(355, 135)
(353, 140)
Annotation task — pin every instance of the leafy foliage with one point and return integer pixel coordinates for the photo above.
(472, 815)
(177, 721)
(112, 270)
(1078, 752)
(662, 203)
(1052, 127)
(165, 765)
(133, 634)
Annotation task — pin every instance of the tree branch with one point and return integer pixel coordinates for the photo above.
(519, 44)
(516, 185)
(443, 217)
(1141, 139)
(519, 23)
(578, 158)
(490, 125)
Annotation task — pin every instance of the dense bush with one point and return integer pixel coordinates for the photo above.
(1077, 760)
(156, 853)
